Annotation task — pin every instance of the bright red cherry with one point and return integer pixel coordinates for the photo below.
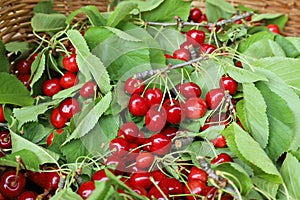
(155, 193)
(195, 37)
(155, 119)
(194, 187)
(88, 90)
(12, 184)
(23, 67)
(174, 111)
(69, 107)
(5, 140)
(144, 160)
(129, 131)
(182, 54)
(57, 120)
(173, 185)
(221, 158)
(214, 97)
(137, 105)
(51, 87)
(195, 14)
(140, 138)
(70, 63)
(116, 162)
(158, 176)
(197, 174)
(273, 28)
(210, 192)
(168, 56)
(86, 189)
(229, 84)
(46, 180)
(203, 18)
(28, 195)
(133, 152)
(189, 89)
(51, 136)
(134, 86)
(160, 144)
(219, 142)
(207, 48)
(194, 108)
(119, 146)
(141, 179)
(2, 117)
(139, 190)
(100, 176)
(68, 80)
(153, 96)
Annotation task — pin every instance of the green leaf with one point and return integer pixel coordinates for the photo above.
(291, 165)
(122, 10)
(272, 18)
(43, 155)
(257, 122)
(263, 35)
(104, 191)
(13, 91)
(17, 47)
(44, 7)
(86, 122)
(259, 17)
(218, 9)
(295, 41)
(37, 69)
(4, 63)
(28, 157)
(69, 92)
(66, 194)
(36, 132)
(267, 48)
(268, 187)
(167, 10)
(88, 61)
(73, 150)
(289, 48)
(92, 12)
(249, 151)
(144, 6)
(48, 22)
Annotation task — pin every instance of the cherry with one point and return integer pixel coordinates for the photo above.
(155, 193)
(170, 132)
(137, 105)
(273, 28)
(119, 146)
(33, 58)
(210, 192)
(133, 152)
(214, 98)
(70, 63)
(86, 189)
(100, 176)
(5, 140)
(207, 48)
(173, 185)
(51, 136)
(153, 96)
(194, 187)
(129, 131)
(144, 160)
(25, 79)
(116, 163)
(68, 80)
(203, 18)
(221, 158)
(28, 195)
(2, 117)
(195, 37)
(47, 180)
(160, 144)
(182, 54)
(69, 107)
(23, 67)
(195, 14)
(197, 174)
(155, 119)
(219, 142)
(158, 176)
(194, 108)
(139, 190)
(141, 179)
(186, 45)
(134, 86)
(140, 139)
(51, 87)
(57, 120)
(229, 84)
(239, 64)
(174, 111)
(216, 119)
(189, 89)
(12, 184)
(88, 90)
(168, 56)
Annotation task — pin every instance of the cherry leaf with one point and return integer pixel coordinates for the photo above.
(66, 194)
(218, 9)
(122, 10)
(37, 69)
(4, 63)
(267, 48)
(42, 22)
(268, 187)
(73, 150)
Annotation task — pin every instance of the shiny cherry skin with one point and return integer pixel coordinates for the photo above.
(129, 131)
(5, 140)
(68, 80)
(195, 14)
(158, 176)
(133, 152)
(86, 189)
(194, 187)
(221, 158)
(51, 136)
(156, 118)
(273, 28)
(23, 67)
(46, 180)
(219, 141)
(182, 54)
(153, 96)
(137, 105)
(51, 87)
(88, 90)
(57, 120)
(160, 144)
(214, 97)
(169, 131)
(70, 63)
(25, 79)
(195, 37)
(173, 185)
(228, 84)
(2, 117)
(139, 190)
(100, 176)
(12, 184)
(28, 195)
(155, 193)
(175, 113)
(207, 48)
(69, 107)
(134, 86)
(117, 163)
(144, 160)
(216, 119)
(210, 192)
(140, 138)
(141, 179)
(198, 174)
(189, 90)
(203, 18)
(195, 108)
(119, 146)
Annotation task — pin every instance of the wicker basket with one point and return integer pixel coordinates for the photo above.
(15, 15)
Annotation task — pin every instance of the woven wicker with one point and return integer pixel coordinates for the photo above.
(15, 15)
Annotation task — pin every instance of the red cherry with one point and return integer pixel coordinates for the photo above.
(158, 176)
(239, 64)
(168, 56)
(129, 131)
(210, 192)
(5, 140)
(160, 144)
(194, 187)
(134, 86)
(2, 117)
(116, 163)
(70, 63)
(170, 132)
(144, 160)
(140, 138)
(51, 87)
(194, 108)
(195, 14)
(155, 119)
(119, 146)
(12, 184)
(51, 136)
(25, 79)
(195, 37)
(57, 120)
(153, 96)
(219, 142)
(155, 193)
(174, 111)
(182, 54)
(189, 89)
(69, 107)
(100, 176)
(222, 157)
(137, 105)
(141, 179)
(173, 185)
(203, 18)
(229, 84)
(33, 58)
(46, 180)
(68, 80)
(28, 195)
(133, 152)
(216, 119)
(197, 174)
(273, 28)
(214, 97)
(23, 67)
(207, 48)
(86, 189)
(88, 90)
(186, 45)
(139, 190)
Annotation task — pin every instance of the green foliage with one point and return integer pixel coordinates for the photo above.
(4, 63)
(218, 9)
(48, 22)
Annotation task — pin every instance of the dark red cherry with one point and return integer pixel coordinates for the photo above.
(221, 158)
(169, 131)
(25, 79)
(2, 117)
(144, 160)
(23, 67)
(155, 193)
(51, 87)
(239, 64)
(129, 131)
(119, 146)
(133, 152)
(153, 96)
(194, 187)
(57, 120)
(195, 37)
(12, 184)
(173, 185)
(207, 48)
(140, 138)
(51, 136)
(174, 111)
(182, 54)
(160, 144)
(5, 140)
(197, 174)
(229, 84)
(155, 119)
(70, 63)
(139, 190)
(28, 195)
(46, 180)
(69, 107)
(194, 108)
(189, 89)
(195, 14)
(88, 90)
(203, 18)
(134, 86)
(214, 97)
(219, 141)
(68, 80)
(210, 192)
(86, 189)
(141, 179)
(137, 105)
